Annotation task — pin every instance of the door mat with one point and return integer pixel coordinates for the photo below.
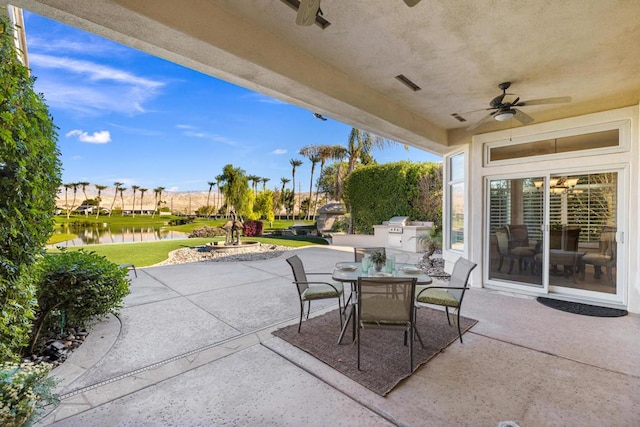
(384, 358)
(580, 308)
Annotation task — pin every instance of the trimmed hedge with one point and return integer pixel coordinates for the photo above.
(378, 192)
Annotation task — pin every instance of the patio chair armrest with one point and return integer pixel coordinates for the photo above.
(324, 274)
(441, 287)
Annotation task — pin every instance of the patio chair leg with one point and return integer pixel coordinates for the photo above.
(446, 309)
(411, 350)
(340, 313)
(301, 314)
(358, 340)
(308, 310)
(458, 321)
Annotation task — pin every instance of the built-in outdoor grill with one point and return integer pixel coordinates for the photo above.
(401, 233)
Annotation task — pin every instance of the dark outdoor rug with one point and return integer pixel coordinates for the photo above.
(583, 309)
(384, 359)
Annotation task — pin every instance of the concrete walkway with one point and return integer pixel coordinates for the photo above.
(193, 346)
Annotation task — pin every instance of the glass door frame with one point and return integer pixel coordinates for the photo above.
(501, 284)
(620, 296)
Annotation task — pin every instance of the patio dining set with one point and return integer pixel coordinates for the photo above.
(385, 297)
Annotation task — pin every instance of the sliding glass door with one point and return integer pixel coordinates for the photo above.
(582, 234)
(556, 232)
(516, 218)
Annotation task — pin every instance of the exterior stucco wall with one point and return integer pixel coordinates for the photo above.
(627, 158)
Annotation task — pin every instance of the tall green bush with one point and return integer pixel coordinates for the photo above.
(29, 179)
(378, 192)
(76, 288)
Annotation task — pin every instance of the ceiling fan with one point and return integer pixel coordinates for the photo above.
(308, 9)
(502, 110)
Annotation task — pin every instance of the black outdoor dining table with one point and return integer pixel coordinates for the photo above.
(348, 272)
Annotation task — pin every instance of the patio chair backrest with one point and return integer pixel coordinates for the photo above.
(459, 277)
(502, 236)
(386, 301)
(299, 275)
(518, 236)
(608, 241)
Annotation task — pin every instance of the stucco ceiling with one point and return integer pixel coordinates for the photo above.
(456, 51)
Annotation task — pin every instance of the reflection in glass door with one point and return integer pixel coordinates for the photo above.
(582, 232)
(581, 257)
(516, 215)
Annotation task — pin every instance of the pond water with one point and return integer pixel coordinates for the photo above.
(103, 234)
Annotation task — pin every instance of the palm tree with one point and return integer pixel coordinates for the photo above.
(211, 184)
(99, 198)
(339, 153)
(311, 152)
(66, 199)
(219, 180)
(284, 181)
(74, 186)
(133, 205)
(264, 183)
(158, 199)
(294, 164)
(255, 179)
(117, 186)
(121, 191)
(84, 191)
(142, 191)
(325, 152)
(361, 144)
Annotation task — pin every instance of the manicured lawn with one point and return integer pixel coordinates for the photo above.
(149, 253)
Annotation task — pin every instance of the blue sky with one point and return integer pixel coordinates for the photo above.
(124, 115)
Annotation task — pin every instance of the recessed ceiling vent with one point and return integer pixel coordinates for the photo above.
(458, 117)
(408, 83)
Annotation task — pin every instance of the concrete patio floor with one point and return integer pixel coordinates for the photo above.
(193, 346)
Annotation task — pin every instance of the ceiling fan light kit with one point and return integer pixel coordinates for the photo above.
(503, 116)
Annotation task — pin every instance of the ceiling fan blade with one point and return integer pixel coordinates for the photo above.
(497, 101)
(481, 121)
(556, 100)
(411, 3)
(307, 12)
(473, 111)
(523, 118)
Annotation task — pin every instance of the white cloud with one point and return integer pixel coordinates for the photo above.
(210, 136)
(90, 88)
(267, 99)
(90, 45)
(279, 151)
(100, 137)
(76, 158)
(185, 127)
(92, 70)
(172, 189)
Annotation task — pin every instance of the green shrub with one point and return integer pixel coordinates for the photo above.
(76, 288)
(378, 192)
(29, 180)
(24, 389)
(180, 221)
